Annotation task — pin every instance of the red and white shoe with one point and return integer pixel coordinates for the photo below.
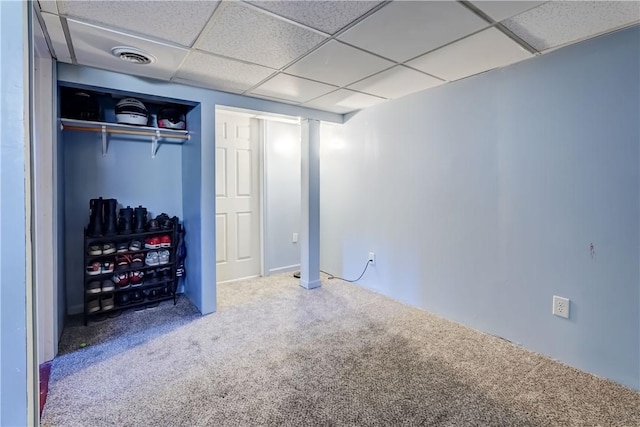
(136, 278)
(121, 280)
(152, 242)
(165, 241)
(94, 268)
(107, 266)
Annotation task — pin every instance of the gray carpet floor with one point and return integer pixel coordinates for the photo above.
(275, 354)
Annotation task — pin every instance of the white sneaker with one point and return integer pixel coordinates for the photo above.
(163, 256)
(152, 258)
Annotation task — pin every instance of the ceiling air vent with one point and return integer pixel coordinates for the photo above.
(133, 55)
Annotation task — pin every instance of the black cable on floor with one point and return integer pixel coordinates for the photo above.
(331, 276)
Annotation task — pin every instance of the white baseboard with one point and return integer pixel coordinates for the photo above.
(284, 269)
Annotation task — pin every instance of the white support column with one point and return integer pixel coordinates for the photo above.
(310, 203)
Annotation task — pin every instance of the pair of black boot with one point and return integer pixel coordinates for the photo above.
(132, 220)
(102, 217)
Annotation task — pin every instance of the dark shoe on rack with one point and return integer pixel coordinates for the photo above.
(126, 220)
(110, 219)
(153, 225)
(123, 299)
(137, 296)
(96, 217)
(140, 219)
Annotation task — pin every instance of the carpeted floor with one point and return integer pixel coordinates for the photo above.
(276, 354)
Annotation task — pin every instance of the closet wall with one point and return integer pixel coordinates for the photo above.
(127, 173)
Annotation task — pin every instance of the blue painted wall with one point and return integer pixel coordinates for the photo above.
(13, 346)
(127, 173)
(192, 189)
(481, 199)
(282, 205)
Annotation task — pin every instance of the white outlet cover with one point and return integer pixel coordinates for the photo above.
(561, 306)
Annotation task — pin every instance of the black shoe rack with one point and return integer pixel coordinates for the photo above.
(154, 287)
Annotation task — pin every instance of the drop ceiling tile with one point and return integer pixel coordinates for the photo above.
(93, 44)
(292, 88)
(559, 22)
(338, 64)
(221, 73)
(175, 21)
(499, 10)
(483, 51)
(396, 82)
(344, 101)
(244, 33)
(326, 16)
(405, 29)
(56, 34)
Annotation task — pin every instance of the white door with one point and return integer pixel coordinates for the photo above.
(237, 197)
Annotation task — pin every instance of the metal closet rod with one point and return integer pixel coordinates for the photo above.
(127, 132)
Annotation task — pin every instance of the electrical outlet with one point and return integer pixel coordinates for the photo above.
(294, 239)
(561, 306)
(372, 258)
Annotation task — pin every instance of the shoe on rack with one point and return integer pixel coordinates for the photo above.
(123, 299)
(107, 267)
(152, 258)
(108, 248)
(137, 296)
(122, 247)
(95, 250)
(93, 305)
(94, 268)
(93, 287)
(153, 293)
(164, 274)
(125, 223)
(107, 286)
(163, 256)
(152, 242)
(137, 260)
(135, 278)
(107, 303)
(139, 219)
(153, 225)
(165, 241)
(122, 262)
(136, 245)
(110, 219)
(96, 217)
(121, 280)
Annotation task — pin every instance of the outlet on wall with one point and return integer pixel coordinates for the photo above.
(294, 239)
(561, 306)
(372, 258)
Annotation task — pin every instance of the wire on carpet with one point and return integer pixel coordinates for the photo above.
(331, 276)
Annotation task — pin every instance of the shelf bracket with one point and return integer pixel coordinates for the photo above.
(154, 144)
(105, 144)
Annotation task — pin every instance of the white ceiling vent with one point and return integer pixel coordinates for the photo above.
(133, 55)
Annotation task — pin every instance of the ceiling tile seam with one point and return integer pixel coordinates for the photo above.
(447, 44)
(181, 64)
(344, 88)
(592, 36)
(442, 79)
(230, 58)
(205, 27)
(67, 37)
(124, 31)
(361, 18)
(282, 18)
(55, 3)
(309, 80)
(45, 31)
(261, 82)
(500, 27)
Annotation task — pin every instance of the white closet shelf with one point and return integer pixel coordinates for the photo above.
(179, 136)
